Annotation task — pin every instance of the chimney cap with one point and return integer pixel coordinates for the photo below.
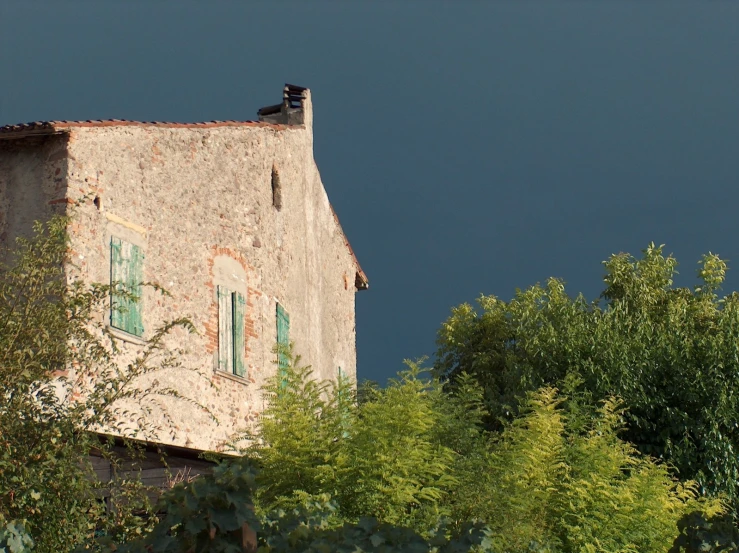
(295, 88)
(290, 111)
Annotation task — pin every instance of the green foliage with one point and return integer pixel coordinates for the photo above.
(398, 470)
(382, 457)
(556, 478)
(63, 378)
(551, 481)
(211, 514)
(671, 354)
(699, 534)
(309, 531)
(300, 439)
(576, 491)
(14, 538)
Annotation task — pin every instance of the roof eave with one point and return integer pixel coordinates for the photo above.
(360, 279)
(28, 133)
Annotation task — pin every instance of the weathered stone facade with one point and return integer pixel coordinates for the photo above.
(233, 204)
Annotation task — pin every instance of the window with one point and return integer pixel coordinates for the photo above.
(283, 337)
(126, 277)
(276, 189)
(231, 310)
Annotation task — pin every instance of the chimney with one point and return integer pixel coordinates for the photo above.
(295, 109)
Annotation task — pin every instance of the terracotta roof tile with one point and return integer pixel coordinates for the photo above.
(53, 127)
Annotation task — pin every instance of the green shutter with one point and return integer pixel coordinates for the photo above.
(344, 405)
(225, 329)
(239, 310)
(117, 303)
(136, 278)
(340, 380)
(126, 274)
(283, 336)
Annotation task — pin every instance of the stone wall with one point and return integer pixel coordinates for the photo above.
(198, 199)
(32, 183)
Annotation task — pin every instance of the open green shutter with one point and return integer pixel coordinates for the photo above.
(117, 302)
(136, 278)
(126, 274)
(239, 311)
(283, 336)
(225, 329)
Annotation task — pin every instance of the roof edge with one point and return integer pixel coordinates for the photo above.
(43, 128)
(360, 279)
(154, 446)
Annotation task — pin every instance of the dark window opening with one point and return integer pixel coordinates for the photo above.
(276, 189)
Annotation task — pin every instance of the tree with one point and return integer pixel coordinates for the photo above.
(671, 354)
(559, 487)
(553, 480)
(381, 457)
(63, 381)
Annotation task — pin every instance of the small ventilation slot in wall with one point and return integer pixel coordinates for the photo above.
(276, 189)
(96, 201)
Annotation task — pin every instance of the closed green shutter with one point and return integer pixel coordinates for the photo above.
(239, 310)
(126, 274)
(225, 330)
(283, 336)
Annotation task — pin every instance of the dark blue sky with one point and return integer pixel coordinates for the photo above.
(468, 147)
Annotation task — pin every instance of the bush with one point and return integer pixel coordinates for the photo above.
(212, 515)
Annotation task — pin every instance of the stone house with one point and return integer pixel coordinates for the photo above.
(231, 217)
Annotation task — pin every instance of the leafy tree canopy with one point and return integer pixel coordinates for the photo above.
(671, 354)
